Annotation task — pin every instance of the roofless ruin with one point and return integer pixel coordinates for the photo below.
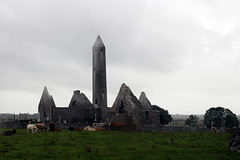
(126, 107)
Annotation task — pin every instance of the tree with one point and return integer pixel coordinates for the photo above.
(230, 119)
(191, 121)
(220, 117)
(164, 116)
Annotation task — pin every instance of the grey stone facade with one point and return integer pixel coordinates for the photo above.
(80, 109)
(129, 107)
(126, 108)
(46, 105)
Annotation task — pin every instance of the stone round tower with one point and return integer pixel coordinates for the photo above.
(99, 86)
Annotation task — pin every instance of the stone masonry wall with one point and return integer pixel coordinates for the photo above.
(145, 128)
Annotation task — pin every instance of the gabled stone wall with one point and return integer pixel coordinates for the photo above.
(77, 114)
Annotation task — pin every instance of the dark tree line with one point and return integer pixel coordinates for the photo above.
(165, 117)
(191, 121)
(220, 117)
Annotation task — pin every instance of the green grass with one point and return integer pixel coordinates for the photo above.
(116, 145)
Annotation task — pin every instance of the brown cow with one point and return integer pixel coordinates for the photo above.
(100, 128)
(41, 127)
(77, 129)
(52, 126)
(214, 129)
(71, 128)
(130, 127)
(57, 129)
(228, 130)
(14, 131)
(118, 126)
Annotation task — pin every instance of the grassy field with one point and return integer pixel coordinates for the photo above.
(116, 145)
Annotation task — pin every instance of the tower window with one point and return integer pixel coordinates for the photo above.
(121, 108)
(95, 101)
(147, 115)
(73, 104)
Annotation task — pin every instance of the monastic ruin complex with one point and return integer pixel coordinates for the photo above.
(126, 108)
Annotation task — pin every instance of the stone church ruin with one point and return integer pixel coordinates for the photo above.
(125, 109)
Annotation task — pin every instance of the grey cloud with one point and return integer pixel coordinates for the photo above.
(174, 51)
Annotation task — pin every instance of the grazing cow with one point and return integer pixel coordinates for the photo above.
(14, 131)
(118, 126)
(100, 128)
(130, 127)
(52, 126)
(77, 129)
(228, 130)
(32, 128)
(57, 129)
(71, 129)
(41, 127)
(214, 129)
(88, 128)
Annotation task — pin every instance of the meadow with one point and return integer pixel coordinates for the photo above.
(115, 145)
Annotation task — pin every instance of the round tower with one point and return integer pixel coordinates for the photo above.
(99, 86)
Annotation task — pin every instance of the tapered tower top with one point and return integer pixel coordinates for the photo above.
(45, 91)
(98, 42)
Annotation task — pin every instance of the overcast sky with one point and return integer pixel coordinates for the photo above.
(184, 54)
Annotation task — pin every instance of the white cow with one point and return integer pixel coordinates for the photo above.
(32, 128)
(88, 128)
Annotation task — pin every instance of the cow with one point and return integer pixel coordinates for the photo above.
(41, 127)
(129, 127)
(118, 126)
(52, 126)
(100, 128)
(14, 131)
(214, 129)
(88, 128)
(32, 128)
(57, 129)
(132, 126)
(77, 129)
(228, 130)
(71, 128)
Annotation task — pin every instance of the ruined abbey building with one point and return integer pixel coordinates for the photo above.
(126, 108)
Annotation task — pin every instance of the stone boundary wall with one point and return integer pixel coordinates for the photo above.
(10, 125)
(145, 128)
(174, 128)
(19, 125)
(234, 140)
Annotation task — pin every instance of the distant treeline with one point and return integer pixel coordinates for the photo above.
(20, 116)
(185, 116)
